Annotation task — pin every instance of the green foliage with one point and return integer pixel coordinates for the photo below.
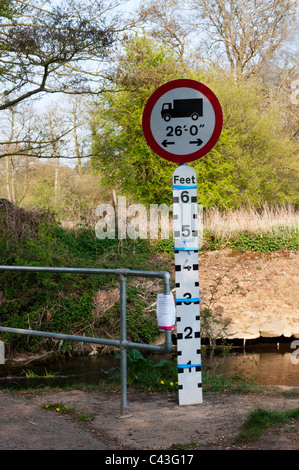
(146, 374)
(8, 8)
(236, 383)
(165, 246)
(141, 325)
(255, 160)
(122, 156)
(282, 238)
(81, 243)
(64, 303)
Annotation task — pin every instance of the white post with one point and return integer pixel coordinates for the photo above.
(187, 285)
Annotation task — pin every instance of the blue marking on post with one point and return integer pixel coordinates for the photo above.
(185, 249)
(178, 186)
(186, 299)
(188, 366)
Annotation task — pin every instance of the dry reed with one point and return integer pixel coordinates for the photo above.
(268, 219)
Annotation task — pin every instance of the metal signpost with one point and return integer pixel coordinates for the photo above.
(182, 121)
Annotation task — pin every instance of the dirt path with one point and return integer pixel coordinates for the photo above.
(157, 422)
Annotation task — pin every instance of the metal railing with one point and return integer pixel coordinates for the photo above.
(122, 343)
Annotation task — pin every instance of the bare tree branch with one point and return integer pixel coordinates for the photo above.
(42, 49)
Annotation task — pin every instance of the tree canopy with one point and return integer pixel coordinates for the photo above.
(50, 48)
(255, 160)
(235, 35)
(242, 50)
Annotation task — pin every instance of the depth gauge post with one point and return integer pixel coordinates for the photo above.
(182, 121)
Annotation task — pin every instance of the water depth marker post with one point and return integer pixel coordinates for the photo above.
(182, 122)
(185, 227)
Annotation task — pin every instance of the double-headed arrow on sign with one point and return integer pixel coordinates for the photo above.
(197, 142)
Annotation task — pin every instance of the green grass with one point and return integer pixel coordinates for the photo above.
(189, 445)
(235, 383)
(260, 420)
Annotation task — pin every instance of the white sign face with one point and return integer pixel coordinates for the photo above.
(182, 120)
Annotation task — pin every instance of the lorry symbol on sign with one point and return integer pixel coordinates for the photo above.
(182, 108)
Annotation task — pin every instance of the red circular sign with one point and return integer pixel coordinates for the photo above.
(182, 120)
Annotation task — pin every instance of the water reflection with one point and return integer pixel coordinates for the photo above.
(265, 363)
(61, 372)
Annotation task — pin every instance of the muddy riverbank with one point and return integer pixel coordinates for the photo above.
(256, 294)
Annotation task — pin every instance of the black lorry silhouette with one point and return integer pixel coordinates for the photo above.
(182, 108)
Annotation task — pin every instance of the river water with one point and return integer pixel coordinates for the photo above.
(272, 364)
(267, 364)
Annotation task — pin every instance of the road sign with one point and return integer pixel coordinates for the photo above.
(185, 227)
(182, 120)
